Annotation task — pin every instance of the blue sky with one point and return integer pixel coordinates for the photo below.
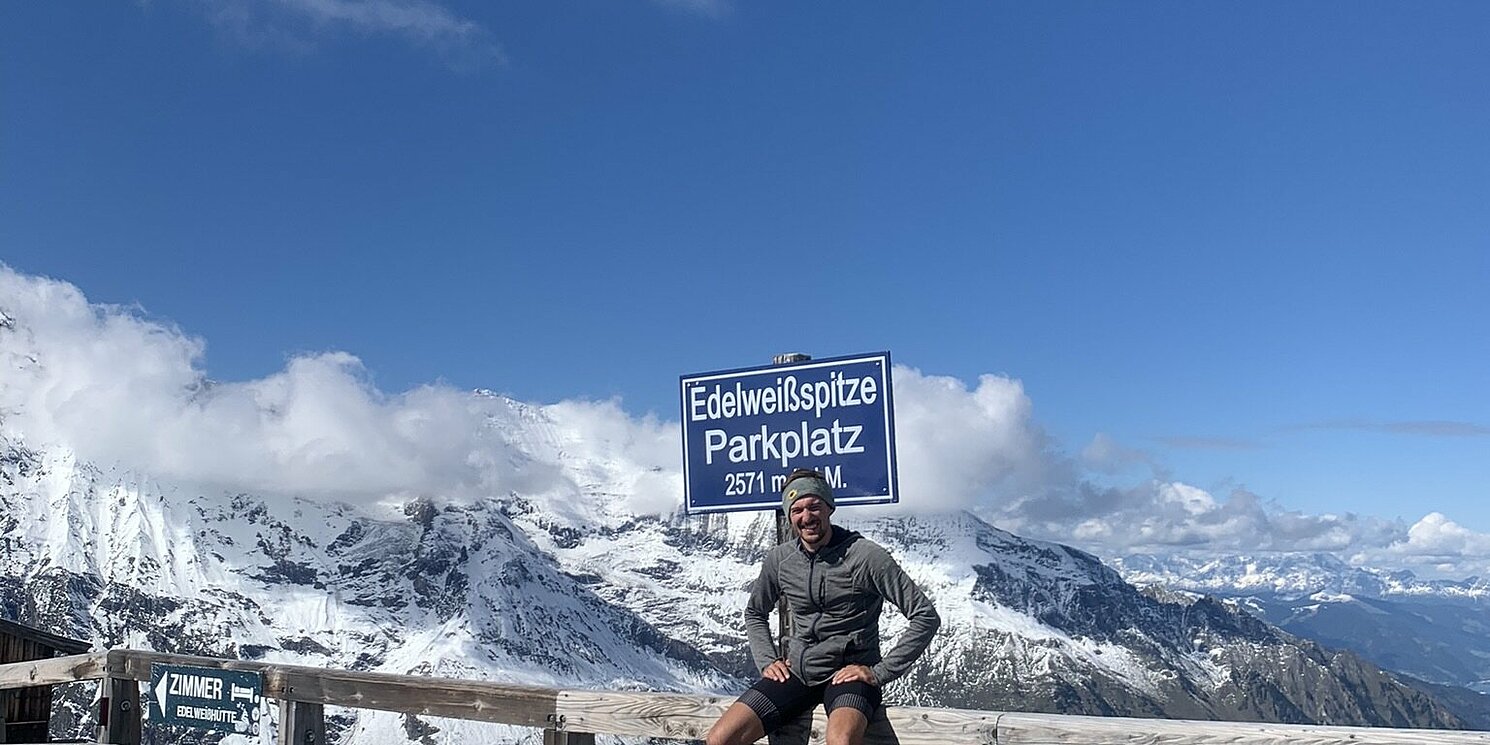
(1245, 244)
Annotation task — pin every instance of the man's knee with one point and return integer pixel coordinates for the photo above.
(846, 727)
(718, 735)
(844, 737)
(737, 726)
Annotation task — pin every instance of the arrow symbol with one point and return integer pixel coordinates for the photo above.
(160, 693)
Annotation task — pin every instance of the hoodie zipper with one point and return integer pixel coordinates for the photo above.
(812, 632)
(817, 606)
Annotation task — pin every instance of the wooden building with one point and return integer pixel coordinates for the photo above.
(26, 712)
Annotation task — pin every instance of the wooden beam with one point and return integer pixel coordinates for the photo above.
(1057, 729)
(484, 701)
(669, 715)
(56, 670)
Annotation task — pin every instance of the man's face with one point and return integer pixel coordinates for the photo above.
(809, 517)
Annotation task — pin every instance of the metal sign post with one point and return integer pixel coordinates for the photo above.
(784, 533)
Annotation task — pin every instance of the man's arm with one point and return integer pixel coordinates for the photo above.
(763, 595)
(896, 586)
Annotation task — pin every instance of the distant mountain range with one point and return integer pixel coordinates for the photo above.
(1293, 575)
(1437, 631)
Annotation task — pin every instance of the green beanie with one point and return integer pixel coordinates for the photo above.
(805, 482)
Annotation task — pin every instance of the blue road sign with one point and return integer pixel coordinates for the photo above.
(206, 697)
(745, 430)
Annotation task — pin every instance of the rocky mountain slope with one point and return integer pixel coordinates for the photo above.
(1434, 630)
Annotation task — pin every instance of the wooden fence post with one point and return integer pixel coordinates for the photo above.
(565, 737)
(4, 708)
(301, 723)
(119, 711)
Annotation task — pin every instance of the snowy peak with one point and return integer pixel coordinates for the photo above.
(1289, 576)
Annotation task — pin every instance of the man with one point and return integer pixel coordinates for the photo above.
(836, 582)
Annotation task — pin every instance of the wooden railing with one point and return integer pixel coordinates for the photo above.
(573, 717)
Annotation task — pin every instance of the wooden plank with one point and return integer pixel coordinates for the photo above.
(133, 663)
(56, 670)
(670, 715)
(441, 697)
(121, 716)
(683, 717)
(1055, 729)
(485, 701)
(301, 723)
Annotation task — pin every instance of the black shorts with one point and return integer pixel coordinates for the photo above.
(778, 703)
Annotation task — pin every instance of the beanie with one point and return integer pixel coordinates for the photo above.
(805, 482)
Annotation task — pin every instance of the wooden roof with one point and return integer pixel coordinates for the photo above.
(61, 644)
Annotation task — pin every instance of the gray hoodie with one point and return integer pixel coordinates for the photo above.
(835, 597)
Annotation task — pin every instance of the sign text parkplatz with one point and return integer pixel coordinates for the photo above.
(745, 430)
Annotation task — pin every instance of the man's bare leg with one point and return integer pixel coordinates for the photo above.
(740, 726)
(846, 726)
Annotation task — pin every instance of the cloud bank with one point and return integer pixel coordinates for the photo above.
(123, 389)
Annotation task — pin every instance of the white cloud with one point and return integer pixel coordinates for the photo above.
(296, 24)
(417, 18)
(121, 388)
(1437, 537)
(702, 7)
(640, 457)
(958, 448)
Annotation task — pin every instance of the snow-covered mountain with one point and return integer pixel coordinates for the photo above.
(457, 591)
(1028, 625)
(1291, 575)
(572, 588)
(1433, 630)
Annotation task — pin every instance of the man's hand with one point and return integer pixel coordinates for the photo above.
(855, 672)
(778, 671)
